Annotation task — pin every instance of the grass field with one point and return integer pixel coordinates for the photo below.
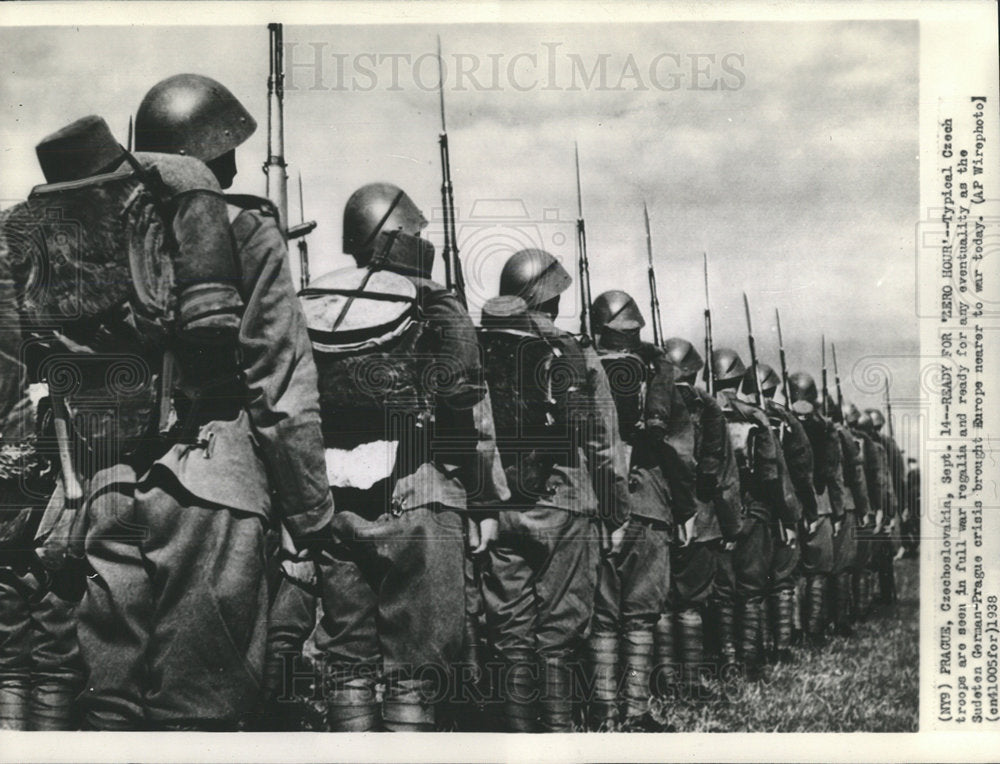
(867, 683)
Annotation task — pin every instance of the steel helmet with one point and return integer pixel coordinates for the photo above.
(533, 275)
(852, 414)
(802, 387)
(865, 423)
(193, 115)
(683, 356)
(767, 380)
(727, 365)
(877, 419)
(375, 208)
(616, 310)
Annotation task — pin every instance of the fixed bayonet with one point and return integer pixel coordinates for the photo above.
(709, 366)
(784, 363)
(753, 352)
(581, 243)
(653, 298)
(836, 377)
(825, 388)
(453, 277)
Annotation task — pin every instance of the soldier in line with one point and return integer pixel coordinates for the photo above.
(760, 462)
(861, 584)
(41, 672)
(557, 431)
(817, 541)
(409, 449)
(882, 534)
(166, 645)
(633, 584)
(895, 499)
(845, 543)
(799, 493)
(712, 531)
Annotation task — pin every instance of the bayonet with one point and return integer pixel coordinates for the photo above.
(825, 388)
(653, 297)
(753, 352)
(888, 410)
(836, 377)
(784, 363)
(581, 244)
(129, 144)
(453, 277)
(709, 365)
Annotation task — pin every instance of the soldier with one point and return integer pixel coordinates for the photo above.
(882, 546)
(817, 541)
(845, 543)
(797, 482)
(708, 536)
(173, 622)
(861, 585)
(409, 449)
(633, 584)
(895, 498)
(760, 467)
(40, 668)
(557, 430)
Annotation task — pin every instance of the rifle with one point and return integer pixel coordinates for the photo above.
(274, 167)
(709, 366)
(825, 389)
(453, 276)
(784, 364)
(753, 353)
(653, 298)
(581, 244)
(836, 377)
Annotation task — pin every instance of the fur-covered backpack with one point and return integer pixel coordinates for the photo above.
(374, 356)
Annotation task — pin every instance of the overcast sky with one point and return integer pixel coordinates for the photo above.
(797, 173)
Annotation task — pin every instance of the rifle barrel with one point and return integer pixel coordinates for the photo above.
(653, 297)
(581, 243)
(277, 178)
(784, 364)
(709, 365)
(753, 351)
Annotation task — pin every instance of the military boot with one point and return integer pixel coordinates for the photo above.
(52, 706)
(815, 606)
(691, 654)
(637, 663)
(887, 581)
(782, 605)
(726, 615)
(351, 705)
(520, 692)
(751, 628)
(405, 707)
(556, 702)
(664, 677)
(842, 607)
(602, 663)
(14, 701)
